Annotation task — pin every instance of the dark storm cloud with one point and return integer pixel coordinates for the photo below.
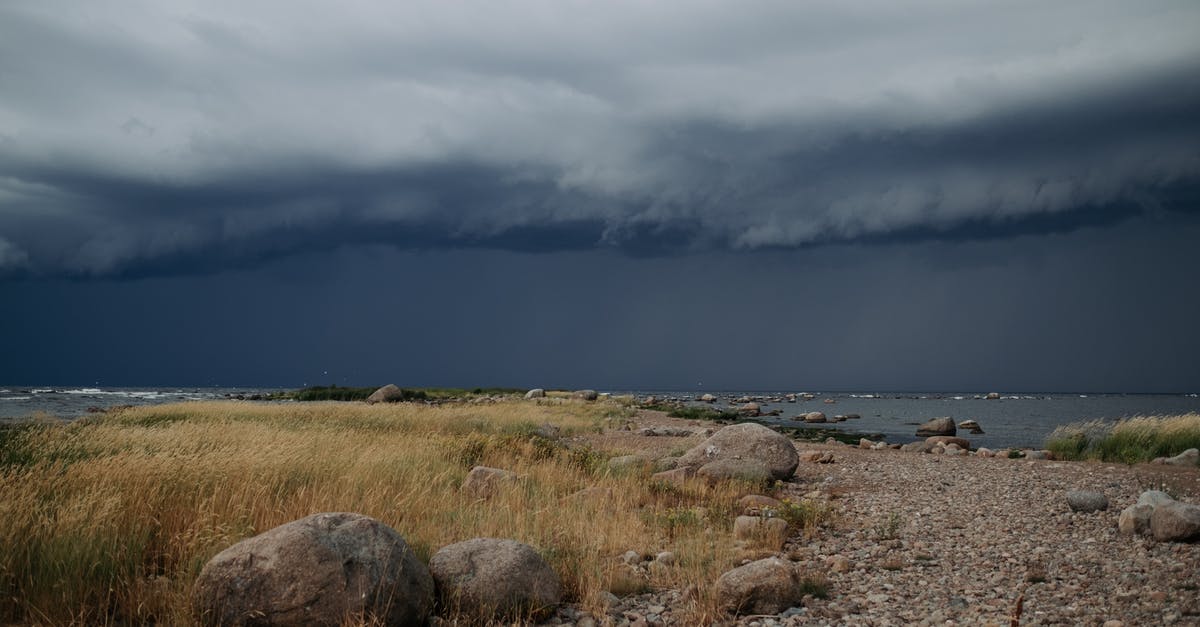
(145, 139)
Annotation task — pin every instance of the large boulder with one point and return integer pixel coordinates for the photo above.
(750, 409)
(971, 426)
(937, 426)
(750, 470)
(585, 395)
(1135, 519)
(536, 393)
(386, 394)
(767, 586)
(746, 441)
(708, 398)
(491, 577)
(326, 569)
(482, 482)
(1175, 522)
(814, 417)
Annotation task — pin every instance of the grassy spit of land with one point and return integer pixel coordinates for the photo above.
(110, 518)
(1132, 440)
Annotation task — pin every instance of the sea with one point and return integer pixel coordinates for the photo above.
(1013, 420)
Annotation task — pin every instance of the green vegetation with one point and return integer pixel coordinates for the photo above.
(1129, 441)
(820, 434)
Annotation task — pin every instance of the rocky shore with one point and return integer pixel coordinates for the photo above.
(927, 538)
(928, 534)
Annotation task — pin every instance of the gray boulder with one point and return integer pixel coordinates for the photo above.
(750, 409)
(971, 426)
(814, 417)
(386, 394)
(767, 586)
(1086, 501)
(1175, 522)
(708, 398)
(1154, 498)
(490, 577)
(326, 569)
(482, 482)
(1190, 457)
(937, 426)
(585, 395)
(746, 441)
(536, 393)
(751, 470)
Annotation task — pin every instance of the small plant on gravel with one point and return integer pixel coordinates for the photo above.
(815, 586)
(889, 528)
(1015, 454)
(805, 515)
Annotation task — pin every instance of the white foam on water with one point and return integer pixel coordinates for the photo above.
(16, 398)
(43, 391)
(84, 391)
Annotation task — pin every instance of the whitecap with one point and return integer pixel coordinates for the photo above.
(16, 398)
(43, 391)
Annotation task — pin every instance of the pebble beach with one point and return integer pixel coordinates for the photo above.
(936, 539)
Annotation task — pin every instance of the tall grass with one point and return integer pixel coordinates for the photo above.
(110, 519)
(1130, 441)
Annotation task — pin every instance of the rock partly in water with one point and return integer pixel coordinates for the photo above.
(325, 569)
(750, 409)
(767, 586)
(1175, 522)
(815, 417)
(746, 441)
(536, 393)
(1086, 501)
(937, 426)
(482, 482)
(488, 577)
(708, 398)
(386, 394)
(971, 426)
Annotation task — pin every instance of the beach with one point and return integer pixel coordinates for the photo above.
(137, 500)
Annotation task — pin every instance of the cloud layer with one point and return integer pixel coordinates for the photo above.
(147, 138)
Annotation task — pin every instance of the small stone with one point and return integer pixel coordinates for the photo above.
(1086, 501)
(633, 558)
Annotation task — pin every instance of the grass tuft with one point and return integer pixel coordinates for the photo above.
(1132, 440)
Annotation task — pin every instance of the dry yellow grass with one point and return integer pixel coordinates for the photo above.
(110, 519)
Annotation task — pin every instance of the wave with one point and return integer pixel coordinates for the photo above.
(16, 398)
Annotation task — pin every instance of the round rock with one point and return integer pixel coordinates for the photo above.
(1086, 501)
(493, 577)
(767, 586)
(386, 394)
(326, 569)
(746, 441)
(937, 426)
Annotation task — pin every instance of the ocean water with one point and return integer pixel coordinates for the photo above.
(21, 402)
(1013, 420)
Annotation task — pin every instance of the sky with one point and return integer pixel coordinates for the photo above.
(926, 195)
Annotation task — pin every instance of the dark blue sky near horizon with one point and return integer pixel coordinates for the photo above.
(837, 196)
